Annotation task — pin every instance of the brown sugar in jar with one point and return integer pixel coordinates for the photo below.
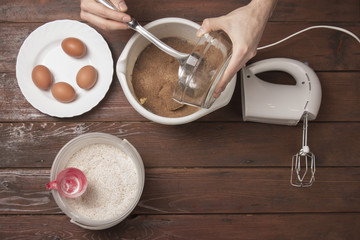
(154, 77)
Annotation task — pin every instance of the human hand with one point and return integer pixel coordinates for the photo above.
(245, 27)
(103, 17)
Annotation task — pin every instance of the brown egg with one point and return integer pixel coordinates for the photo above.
(63, 92)
(41, 77)
(86, 77)
(73, 47)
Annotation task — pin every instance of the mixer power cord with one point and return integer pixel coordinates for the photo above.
(309, 28)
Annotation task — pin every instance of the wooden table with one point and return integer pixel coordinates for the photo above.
(216, 178)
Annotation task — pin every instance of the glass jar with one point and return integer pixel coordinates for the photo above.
(213, 52)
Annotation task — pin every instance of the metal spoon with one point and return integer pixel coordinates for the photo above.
(187, 62)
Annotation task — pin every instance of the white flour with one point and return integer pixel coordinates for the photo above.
(112, 181)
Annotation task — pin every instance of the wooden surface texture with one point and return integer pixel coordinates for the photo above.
(216, 178)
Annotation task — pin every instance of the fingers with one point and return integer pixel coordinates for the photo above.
(103, 23)
(209, 25)
(103, 17)
(215, 24)
(230, 71)
(238, 59)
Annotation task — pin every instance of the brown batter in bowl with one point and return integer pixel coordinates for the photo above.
(154, 77)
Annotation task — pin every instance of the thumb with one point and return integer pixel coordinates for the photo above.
(120, 4)
(209, 25)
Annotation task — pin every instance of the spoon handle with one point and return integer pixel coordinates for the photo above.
(133, 24)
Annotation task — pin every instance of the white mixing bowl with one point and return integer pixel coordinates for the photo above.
(163, 28)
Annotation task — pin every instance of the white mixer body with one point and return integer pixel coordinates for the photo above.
(279, 103)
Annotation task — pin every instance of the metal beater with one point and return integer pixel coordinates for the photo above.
(303, 163)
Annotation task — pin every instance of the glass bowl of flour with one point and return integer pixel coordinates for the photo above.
(115, 175)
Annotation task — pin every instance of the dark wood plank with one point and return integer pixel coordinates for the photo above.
(250, 227)
(24, 191)
(203, 190)
(339, 96)
(323, 49)
(339, 102)
(264, 190)
(191, 145)
(287, 10)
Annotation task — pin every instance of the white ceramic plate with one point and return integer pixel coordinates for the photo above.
(43, 46)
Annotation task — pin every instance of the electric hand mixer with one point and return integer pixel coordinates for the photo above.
(284, 104)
